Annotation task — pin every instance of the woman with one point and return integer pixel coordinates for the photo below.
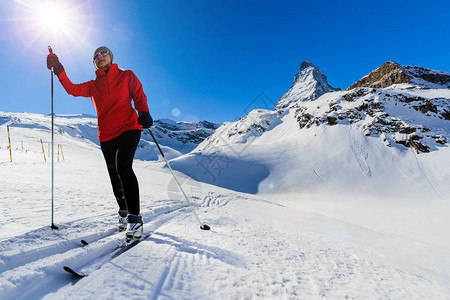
(119, 127)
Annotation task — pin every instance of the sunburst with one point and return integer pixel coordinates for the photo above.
(66, 25)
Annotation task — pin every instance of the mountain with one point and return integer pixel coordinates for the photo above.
(374, 137)
(309, 84)
(402, 105)
(175, 137)
(392, 73)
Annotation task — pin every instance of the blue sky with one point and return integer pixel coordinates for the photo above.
(208, 60)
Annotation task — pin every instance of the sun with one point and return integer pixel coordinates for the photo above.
(53, 18)
(64, 24)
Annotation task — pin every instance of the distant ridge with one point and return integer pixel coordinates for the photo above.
(176, 137)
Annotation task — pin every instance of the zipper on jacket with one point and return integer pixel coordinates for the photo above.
(107, 84)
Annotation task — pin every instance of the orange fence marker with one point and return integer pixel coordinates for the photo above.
(43, 151)
(9, 141)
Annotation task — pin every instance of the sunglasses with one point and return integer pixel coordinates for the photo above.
(101, 53)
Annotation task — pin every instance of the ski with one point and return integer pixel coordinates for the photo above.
(84, 271)
(85, 243)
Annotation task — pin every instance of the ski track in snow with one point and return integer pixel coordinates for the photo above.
(358, 149)
(425, 175)
(241, 257)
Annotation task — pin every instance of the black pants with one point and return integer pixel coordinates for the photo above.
(119, 154)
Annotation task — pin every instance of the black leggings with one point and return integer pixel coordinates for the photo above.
(119, 154)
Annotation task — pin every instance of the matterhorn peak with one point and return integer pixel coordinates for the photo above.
(306, 64)
(309, 84)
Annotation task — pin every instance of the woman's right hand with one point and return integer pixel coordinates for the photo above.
(53, 62)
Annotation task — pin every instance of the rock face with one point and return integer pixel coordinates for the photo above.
(184, 132)
(309, 84)
(182, 136)
(423, 76)
(391, 73)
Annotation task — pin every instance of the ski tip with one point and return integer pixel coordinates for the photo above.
(84, 242)
(205, 227)
(73, 272)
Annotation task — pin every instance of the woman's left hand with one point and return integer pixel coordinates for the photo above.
(145, 120)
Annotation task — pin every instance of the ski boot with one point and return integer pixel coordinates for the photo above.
(135, 227)
(122, 224)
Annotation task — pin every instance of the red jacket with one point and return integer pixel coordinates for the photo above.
(111, 94)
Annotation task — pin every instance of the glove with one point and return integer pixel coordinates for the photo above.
(53, 61)
(145, 120)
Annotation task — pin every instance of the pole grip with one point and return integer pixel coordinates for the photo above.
(50, 50)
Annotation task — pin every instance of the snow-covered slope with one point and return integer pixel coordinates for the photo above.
(256, 248)
(382, 152)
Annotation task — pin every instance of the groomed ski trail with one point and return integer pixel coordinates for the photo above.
(40, 271)
(249, 256)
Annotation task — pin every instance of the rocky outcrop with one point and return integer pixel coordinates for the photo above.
(184, 132)
(391, 73)
(398, 116)
(427, 75)
(386, 75)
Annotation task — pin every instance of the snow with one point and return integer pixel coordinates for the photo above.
(304, 229)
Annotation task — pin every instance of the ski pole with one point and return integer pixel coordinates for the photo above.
(53, 226)
(202, 226)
